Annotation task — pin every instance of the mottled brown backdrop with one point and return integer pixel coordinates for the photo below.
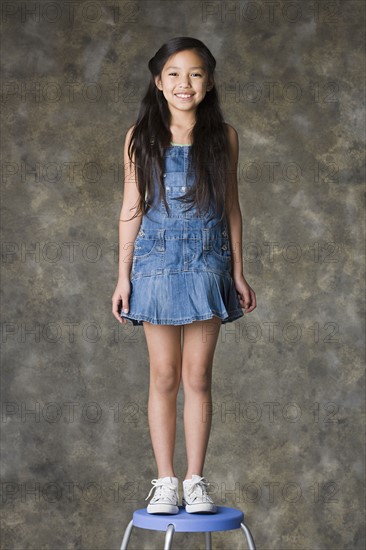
(286, 444)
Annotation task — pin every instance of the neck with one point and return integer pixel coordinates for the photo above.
(182, 121)
(181, 132)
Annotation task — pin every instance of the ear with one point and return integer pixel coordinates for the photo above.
(209, 86)
(158, 82)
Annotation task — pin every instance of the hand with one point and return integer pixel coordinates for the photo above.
(246, 294)
(120, 299)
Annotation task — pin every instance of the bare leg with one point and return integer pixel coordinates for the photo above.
(199, 342)
(164, 346)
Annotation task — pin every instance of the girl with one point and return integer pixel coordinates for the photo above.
(185, 276)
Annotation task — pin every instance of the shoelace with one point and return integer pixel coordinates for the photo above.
(201, 484)
(160, 487)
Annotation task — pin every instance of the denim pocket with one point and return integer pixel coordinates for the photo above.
(144, 246)
(216, 251)
(221, 247)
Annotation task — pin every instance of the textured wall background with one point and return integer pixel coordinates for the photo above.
(286, 442)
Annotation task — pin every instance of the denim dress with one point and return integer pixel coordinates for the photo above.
(181, 266)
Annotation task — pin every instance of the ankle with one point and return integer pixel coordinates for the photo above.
(160, 475)
(189, 476)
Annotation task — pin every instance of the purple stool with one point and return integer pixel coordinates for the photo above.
(225, 519)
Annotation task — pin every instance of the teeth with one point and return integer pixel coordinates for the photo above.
(184, 95)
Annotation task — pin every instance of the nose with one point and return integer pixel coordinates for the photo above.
(184, 82)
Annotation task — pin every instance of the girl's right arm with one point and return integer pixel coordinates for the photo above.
(127, 234)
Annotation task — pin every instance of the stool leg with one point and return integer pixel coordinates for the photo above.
(248, 536)
(126, 536)
(208, 544)
(169, 537)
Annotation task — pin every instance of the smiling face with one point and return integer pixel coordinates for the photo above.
(184, 81)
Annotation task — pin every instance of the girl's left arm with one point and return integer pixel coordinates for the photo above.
(232, 210)
(246, 295)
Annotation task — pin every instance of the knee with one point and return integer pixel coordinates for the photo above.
(198, 382)
(166, 379)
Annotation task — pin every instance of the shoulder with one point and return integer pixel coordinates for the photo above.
(233, 140)
(127, 145)
(232, 134)
(129, 133)
(128, 137)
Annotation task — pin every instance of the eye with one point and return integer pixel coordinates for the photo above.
(171, 74)
(198, 74)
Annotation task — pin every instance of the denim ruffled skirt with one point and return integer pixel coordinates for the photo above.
(181, 268)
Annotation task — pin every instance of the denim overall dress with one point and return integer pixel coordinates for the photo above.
(181, 266)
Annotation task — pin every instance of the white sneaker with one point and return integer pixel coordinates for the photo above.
(166, 497)
(195, 497)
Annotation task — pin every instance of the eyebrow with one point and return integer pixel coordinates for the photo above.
(198, 67)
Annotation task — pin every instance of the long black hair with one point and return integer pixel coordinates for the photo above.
(209, 153)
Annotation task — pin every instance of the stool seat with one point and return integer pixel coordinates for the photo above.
(223, 520)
